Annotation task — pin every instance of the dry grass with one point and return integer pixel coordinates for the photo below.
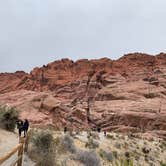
(111, 150)
(43, 150)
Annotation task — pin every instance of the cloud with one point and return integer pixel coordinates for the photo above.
(35, 32)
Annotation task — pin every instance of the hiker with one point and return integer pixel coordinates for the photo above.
(20, 127)
(98, 129)
(105, 133)
(65, 129)
(25, 127)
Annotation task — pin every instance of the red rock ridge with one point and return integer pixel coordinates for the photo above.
(128, 93)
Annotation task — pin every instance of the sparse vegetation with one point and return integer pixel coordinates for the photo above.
(162, 164)
(93, 135)
(92, 144)
(115, 154)
(106, 155)
(124, 162)
(88, 158)
(109, 136)
(122, 150)
(8, 117)
(42, 140)
(44, 149)
(68, 143)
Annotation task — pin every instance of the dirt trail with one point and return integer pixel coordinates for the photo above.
(8, 141)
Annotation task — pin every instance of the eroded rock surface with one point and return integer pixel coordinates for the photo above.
(128, 94)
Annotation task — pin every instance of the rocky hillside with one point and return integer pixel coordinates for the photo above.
(128, 94)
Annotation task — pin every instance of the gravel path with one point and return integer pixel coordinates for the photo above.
(83, 137)
(8, 141)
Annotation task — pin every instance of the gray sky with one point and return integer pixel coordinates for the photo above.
(35, 32)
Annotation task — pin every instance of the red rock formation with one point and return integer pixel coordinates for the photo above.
(128, 92)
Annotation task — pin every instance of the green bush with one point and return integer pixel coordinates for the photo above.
(162, 164)
(8, 117)
(44, 148)
(42, 140)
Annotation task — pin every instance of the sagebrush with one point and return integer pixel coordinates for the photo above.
(44, 148)
(8, 117)
(88, 158)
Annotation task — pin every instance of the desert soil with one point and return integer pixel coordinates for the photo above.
(8, 140)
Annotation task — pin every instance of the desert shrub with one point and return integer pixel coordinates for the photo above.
(44, 148)
(88, 158)
(109, 136)
(124, 162)
(8, 118)
(68, 143)
(162, 164)
(127, 155)
(127, 161)
(106, 155)
(57, 141)
(126, 145)
(163, 144)
(47, 159)
(145, 150)
(42, 140)
(88, 134)
(91, 144)
(94, 135)
(117, 145)
(115, 154)
(72, 134)
(78, 132)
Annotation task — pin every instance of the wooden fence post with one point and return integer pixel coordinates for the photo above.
(21, 147)
(26, 142)
(9, 154)
(20, 151)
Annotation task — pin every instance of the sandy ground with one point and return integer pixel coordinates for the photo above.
(9, 140)
(117, 143)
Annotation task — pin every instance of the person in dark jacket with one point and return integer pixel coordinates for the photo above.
(105, 133)
(20, 127)
(65, 129)
(98, 129)
(25, 127)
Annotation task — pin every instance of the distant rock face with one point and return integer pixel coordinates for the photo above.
(128, 94)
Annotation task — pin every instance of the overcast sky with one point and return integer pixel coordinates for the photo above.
(35, 32)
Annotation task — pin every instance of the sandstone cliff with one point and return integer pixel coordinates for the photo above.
(128, 94)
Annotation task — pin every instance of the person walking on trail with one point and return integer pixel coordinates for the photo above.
(20, 127)
(65, 129)
(98, 129)
(25, 127)
(105, 133)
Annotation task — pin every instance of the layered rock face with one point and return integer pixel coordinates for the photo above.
(128, 94)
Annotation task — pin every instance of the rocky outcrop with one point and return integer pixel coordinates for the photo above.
(42, 109)
(128, 94)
